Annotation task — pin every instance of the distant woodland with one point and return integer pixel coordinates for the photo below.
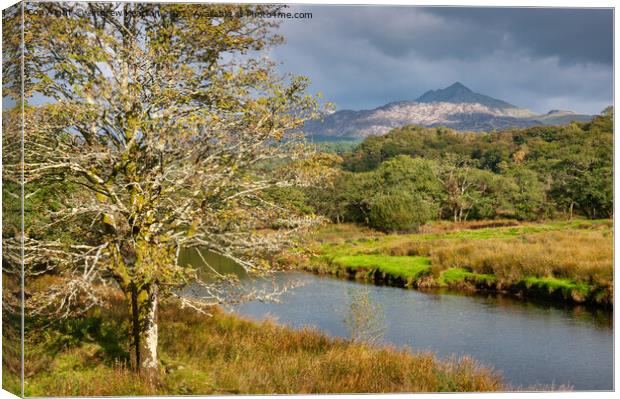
(413, 175)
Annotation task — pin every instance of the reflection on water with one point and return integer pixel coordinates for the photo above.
(601, 317)
(209, 263)
(528, 342)
(363, 317)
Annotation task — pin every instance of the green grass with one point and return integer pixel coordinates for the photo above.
(458, 275)
(352, 240)
(515, 231)
(552, 284)
(571, 258)
(401, 266)
(11, 381)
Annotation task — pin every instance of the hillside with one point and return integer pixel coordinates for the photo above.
(455, 106)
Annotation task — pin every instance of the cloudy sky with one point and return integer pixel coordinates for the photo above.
(362, 57)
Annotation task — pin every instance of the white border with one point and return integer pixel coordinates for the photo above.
(476, 3)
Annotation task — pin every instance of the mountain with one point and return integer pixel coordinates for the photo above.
(455, 106)
(560, 117)
(457, 93)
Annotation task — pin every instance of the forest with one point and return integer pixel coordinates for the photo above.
(414, 174)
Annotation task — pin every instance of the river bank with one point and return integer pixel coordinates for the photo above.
(532, 343)
(559, 261)
(225, 354)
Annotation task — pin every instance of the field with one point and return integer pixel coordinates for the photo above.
(569, 261)
(223, 354)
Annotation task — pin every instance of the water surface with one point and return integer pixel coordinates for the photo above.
(529, 343)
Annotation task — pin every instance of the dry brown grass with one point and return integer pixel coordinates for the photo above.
(582, 252)
(267, 358)
(227, 355)
(581, 256)
(343, 232)
(559, 260)
(442, 226)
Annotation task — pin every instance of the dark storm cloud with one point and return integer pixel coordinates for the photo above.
(574, 35)
(366, 56)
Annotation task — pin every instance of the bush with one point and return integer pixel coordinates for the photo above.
(399, 212)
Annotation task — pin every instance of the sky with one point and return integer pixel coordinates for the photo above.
(362, 57)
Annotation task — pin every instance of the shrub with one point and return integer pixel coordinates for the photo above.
(399, 212)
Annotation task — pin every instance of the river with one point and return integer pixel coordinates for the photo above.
(529, 343)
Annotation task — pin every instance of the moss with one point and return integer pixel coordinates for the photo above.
(458, 275)
(551, 285)
(405, 267)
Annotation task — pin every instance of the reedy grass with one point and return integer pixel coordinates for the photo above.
(347, 239)
(571, 258)
(224, 354)
(580, 256)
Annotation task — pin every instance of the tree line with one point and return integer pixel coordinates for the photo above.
(414, 174)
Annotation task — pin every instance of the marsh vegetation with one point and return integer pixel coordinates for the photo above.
(560, 261)
(224, 354)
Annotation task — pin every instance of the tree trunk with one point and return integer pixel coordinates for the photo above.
(149, 360)
(135, 328)
(144, 330)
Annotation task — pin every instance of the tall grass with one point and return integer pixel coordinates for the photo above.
(224, 354)
(582, 256)
(441, 226)
(343, 232)
(575, 257)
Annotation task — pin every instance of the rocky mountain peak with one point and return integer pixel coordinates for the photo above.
(458, 88)
(455, 106)
(457, 93)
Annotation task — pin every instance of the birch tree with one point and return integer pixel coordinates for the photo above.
(161, 129)
(467, 189)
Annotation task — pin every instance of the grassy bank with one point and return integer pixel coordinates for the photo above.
(561, 260)
(227, 355)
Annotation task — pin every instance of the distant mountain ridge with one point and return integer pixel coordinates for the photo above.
(455, 106)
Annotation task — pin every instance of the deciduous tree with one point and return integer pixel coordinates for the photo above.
(168, 127)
